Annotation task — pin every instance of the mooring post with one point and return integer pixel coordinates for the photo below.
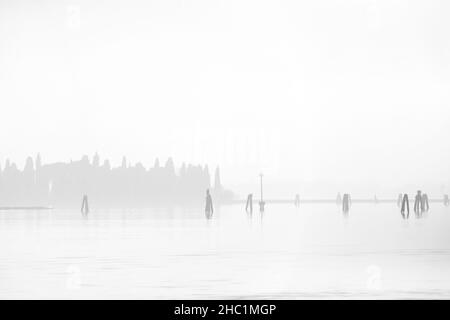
(418, 203)
(249, 204)
(399, 200)
(405, 206)
(85, 205)
(425, 203)
(338, 199)
(346, 202)
(297, 200)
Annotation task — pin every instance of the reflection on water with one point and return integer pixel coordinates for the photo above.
(310, 251)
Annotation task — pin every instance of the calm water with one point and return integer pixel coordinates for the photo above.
(294, 253)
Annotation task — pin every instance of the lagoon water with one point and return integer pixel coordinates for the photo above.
(287, 253)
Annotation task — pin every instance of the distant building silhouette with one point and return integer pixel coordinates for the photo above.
(96, 160)
(62, 184)
(217, 182)
(219, 192)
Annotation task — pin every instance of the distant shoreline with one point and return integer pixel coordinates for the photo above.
(242, 201)
(25, 208)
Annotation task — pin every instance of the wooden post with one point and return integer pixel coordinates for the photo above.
(85, 205)
(261, 202)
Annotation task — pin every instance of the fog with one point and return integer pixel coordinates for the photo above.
(319, 94)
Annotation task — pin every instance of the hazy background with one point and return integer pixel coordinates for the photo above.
(321, 95)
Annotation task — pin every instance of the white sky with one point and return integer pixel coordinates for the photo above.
(334, 91)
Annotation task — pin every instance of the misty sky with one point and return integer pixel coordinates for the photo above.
(354, 91)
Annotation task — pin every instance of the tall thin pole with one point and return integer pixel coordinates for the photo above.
(261, 176)
(261, 202)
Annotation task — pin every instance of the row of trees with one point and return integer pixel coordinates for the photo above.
(64, 184)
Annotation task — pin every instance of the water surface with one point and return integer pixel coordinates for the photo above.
(287, 253)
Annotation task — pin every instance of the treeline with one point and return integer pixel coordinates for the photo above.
(64, 184)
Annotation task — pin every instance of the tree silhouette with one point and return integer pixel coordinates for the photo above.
(64, 184)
